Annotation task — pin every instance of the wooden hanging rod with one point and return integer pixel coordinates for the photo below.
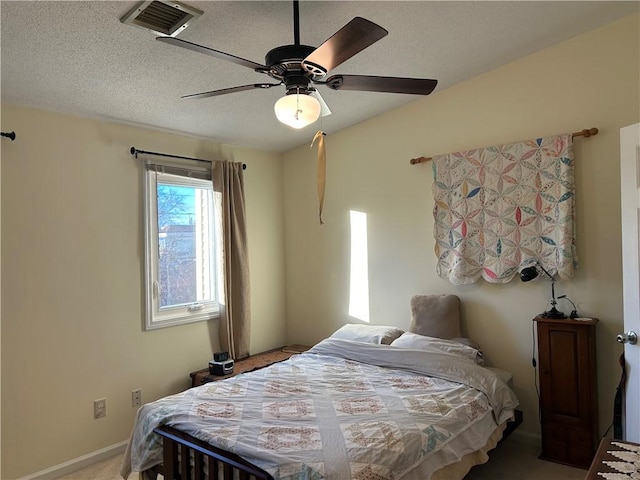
(587, 132)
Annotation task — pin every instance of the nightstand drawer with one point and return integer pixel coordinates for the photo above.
(582, 438)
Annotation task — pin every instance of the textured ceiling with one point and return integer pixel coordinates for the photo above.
(76, 57)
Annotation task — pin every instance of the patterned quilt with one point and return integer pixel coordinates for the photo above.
(341, 410)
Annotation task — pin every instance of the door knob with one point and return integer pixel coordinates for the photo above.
(629, 337)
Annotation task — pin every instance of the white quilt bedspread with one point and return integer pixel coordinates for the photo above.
(342, 410)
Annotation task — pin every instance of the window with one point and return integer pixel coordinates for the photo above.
(181, 249)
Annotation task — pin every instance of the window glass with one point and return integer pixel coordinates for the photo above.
(181, 250)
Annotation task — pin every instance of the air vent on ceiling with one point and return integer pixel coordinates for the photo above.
(161, 16)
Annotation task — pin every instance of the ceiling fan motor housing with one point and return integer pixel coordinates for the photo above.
(287, 60)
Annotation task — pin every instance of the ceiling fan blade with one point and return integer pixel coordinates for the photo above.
(224, 91)
(366, 83)
(324, 108)
(354, 37)
(213, 53)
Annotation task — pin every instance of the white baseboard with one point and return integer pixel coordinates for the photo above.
(75, 464)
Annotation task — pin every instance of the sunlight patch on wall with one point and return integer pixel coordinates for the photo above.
(359, 274)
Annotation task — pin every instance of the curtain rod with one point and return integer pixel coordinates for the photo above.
(135, 151)
(587, 132)
(11, 135)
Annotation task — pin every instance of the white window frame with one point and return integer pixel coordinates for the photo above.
(160, 317)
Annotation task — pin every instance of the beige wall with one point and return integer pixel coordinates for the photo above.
(72, 260)
(591, 80)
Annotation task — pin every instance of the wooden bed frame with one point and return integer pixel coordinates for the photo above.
(211, 463)
(207, 461)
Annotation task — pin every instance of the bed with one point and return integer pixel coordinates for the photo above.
(365, 403)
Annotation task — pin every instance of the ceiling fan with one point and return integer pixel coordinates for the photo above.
(301, 67)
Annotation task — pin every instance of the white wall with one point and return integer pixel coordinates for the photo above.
(591, 80)
(72, 283)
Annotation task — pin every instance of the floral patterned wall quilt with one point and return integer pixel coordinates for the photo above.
(497, 209)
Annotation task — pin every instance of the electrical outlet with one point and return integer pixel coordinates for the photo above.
(136, 398)
(100, 408)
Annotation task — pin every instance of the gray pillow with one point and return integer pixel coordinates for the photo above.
(435, 315)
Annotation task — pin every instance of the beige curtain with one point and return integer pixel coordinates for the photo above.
(235, 309)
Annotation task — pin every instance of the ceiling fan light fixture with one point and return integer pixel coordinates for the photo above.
(297, 110)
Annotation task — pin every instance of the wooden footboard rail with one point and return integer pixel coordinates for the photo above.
(187, 458)
(203, 461)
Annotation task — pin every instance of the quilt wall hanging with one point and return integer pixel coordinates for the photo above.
(496, 208)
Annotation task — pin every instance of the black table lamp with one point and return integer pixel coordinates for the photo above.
(529, 273)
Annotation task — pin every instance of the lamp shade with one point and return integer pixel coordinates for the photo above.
(528, 273)
(297, 110)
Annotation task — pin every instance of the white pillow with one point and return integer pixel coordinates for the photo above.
(368, 333)
(422, 342)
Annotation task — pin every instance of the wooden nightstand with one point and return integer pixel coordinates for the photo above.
(568, 390)
(254, 362)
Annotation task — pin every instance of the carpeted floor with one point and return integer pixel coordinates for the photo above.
(105, 470)
(511, 460)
